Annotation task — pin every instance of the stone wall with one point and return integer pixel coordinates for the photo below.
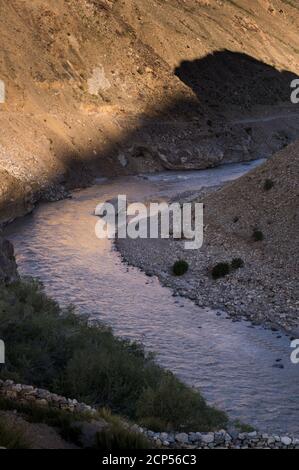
(223, 440)
(28, 394)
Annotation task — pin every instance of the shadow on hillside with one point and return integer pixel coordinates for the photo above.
(225, 78)
(196, 131)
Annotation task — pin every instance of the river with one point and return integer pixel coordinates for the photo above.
(230, 362)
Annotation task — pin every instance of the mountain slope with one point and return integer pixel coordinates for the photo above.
(107, 87)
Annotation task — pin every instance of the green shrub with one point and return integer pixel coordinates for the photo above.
(237, 263)
(220, 270)
(268, 184)
(180, 267)
(243, 427)
(55, 349)
(160, 407)
(257, 235)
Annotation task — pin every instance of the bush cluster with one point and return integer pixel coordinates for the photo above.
(224, 268)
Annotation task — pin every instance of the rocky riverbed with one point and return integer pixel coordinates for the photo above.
(265, 289)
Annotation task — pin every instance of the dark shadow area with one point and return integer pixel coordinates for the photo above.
(226, 78)
(222, 121)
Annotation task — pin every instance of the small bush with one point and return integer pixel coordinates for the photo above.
(237, 263)
(242, 427)
(257, 235)
(160, 407)
(268, 184)
(180, 268)
(220, 270)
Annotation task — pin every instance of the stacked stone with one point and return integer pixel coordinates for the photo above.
(28, 394)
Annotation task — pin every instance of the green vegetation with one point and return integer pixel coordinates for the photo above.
(220, 270)
(224, 268)
(180, 267)
(118, 436)
(243, 427)
(257, 235)
(159, 406)
(55, 349)
(268, 184)
(237, 263)
(11, 437)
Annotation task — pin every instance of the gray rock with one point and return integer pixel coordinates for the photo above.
(193, 437)
(286, 440)
(182, 438)
(208, 438)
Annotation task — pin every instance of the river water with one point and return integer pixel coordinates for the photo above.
(230, 362)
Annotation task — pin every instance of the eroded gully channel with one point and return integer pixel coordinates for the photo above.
(231, 363)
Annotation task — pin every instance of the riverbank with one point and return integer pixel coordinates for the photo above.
(261, 204)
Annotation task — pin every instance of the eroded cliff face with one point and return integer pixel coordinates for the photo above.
(97, 87)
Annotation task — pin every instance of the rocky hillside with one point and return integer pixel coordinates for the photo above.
(107, 87)
(256, 218)
(265, 199)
